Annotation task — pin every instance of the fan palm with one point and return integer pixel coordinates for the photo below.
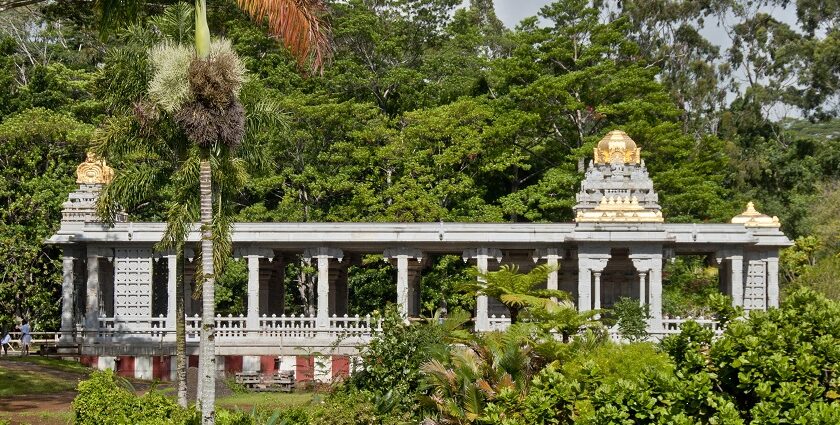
(515, 290)
(214, 122)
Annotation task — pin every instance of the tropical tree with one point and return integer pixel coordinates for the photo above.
(462, 381)
(564, 319)
(201, 91)
(515, 290)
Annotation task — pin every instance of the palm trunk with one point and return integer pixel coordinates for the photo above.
(180, 329)
(208, 351)
(207, 389)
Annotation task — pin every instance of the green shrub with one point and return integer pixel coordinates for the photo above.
(393, 358)
(611, 362)
(105, 399)
(631, 319)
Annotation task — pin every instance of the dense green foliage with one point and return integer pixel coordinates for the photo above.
(108, 399)
(779, 366)
(431, 110)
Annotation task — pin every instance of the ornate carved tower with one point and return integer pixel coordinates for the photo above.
(617, 187)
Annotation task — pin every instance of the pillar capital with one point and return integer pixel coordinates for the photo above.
(100, 252)
(546, 253)
(323, 252)
(644, 265)
(189, 254)
(595, 264)
(253, 251)
(482, 252)
(392, 253)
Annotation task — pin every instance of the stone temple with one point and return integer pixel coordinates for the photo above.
(117, 292)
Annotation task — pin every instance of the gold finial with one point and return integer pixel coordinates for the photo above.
(94, 171)
(752, 218)
(617, 147)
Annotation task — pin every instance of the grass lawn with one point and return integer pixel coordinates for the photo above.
(39, 417)
(52, 363)
(264, 401)
(17, 382)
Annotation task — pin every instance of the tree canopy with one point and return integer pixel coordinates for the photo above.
(434, 110)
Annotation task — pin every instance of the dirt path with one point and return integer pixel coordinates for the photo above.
(50, 408)
(38, 409)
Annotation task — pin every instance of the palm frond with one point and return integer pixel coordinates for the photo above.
(130, 187)
(298, 24)
(176, 23)
(114, 14)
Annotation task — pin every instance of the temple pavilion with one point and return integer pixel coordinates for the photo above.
(118, 293)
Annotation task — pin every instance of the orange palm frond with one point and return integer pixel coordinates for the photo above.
(299, 25)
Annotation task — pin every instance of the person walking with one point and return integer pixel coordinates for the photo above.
(7, 338)
(25, 337)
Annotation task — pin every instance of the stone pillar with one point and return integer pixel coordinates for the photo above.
(736, 266)
(253, 255)
(584, 286)
(338, 290)
(655, 293)
(772, 281)
(253, 321)
(597, 300)
(323, 256)
(647, 259)
(591, 259)
(642, 291)
(414, 289)
(67, 296)
(171, 288)
(92, 289)
(552, 258)
(265, 285)
(481, 255)
(401, 256)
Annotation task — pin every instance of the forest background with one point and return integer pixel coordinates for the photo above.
(433, 110)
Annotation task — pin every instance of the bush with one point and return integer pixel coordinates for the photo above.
(393, 358)
(631, 318)
(105, 399)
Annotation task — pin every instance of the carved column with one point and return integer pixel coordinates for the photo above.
(647, 259)
(772, 281)
(552, 258)
(67, 280)
(655, 293)
(414, 290)
(643, 266)
(642, 291)
(323, 255)
(481, 255)
(590, 259)
(597, 300)
(171, 288)
(92, 290)
(254, 255)
(401, 256)
(736, 280)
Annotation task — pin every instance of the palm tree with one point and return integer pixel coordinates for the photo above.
(214, 122)
(515, 290)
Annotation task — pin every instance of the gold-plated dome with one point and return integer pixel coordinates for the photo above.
(94, 171)
(617, 148)
(752, 218)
